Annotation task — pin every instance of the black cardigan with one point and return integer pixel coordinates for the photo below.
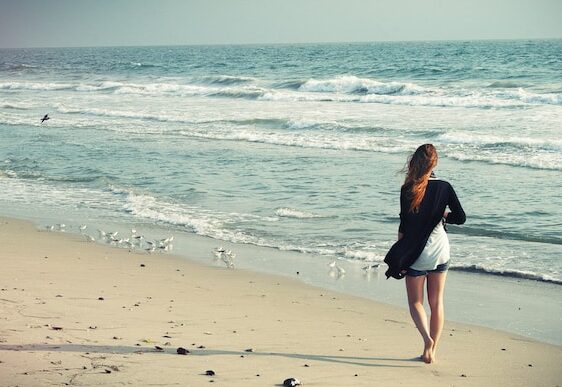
(416, 227)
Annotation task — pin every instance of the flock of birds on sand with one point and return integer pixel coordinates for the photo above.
(139, 242)
(134, 241)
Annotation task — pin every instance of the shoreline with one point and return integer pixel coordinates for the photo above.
(515, 305)
(114, 307)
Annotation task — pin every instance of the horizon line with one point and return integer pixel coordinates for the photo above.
(287, 43)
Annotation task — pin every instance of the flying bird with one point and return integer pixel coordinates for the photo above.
(45, 118)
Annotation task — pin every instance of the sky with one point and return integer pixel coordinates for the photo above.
(72, 23)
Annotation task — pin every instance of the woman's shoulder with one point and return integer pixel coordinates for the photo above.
(440, 182)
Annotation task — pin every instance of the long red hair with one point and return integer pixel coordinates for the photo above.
(419, 167)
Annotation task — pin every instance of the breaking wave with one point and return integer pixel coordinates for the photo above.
(480, 269)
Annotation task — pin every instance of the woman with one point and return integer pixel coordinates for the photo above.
(422, 250)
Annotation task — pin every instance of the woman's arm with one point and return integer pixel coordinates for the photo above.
(456, 215)
(403, 212)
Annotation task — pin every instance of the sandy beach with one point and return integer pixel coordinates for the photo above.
(79, 313)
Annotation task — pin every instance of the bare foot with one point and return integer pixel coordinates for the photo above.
(427, 355)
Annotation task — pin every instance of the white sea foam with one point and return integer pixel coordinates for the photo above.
(287, 212)
(487, 269)
(457, 137)
(214, 224)
(61, 108)
(547, 161)
(362, 255)
(223, 79)
(35, 86)
(339, 89)
(352, 84)
(16, 106)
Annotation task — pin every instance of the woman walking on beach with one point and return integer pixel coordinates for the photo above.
(422, 250)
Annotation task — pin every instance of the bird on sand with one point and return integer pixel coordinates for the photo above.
(45, 118)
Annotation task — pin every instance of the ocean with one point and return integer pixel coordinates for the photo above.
(292, 147)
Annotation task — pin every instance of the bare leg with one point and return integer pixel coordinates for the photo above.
(414, 288)
(435, 290)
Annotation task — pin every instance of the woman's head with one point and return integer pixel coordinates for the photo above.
(419, 167)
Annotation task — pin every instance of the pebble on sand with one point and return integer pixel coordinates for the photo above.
(182, 351)
(210, 373)
(291, 382)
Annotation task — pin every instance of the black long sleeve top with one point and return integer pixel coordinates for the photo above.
(416, 227)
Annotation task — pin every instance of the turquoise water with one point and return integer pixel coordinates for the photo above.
(293, 147)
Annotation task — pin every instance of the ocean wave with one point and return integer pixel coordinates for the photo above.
(248, 93)
(490, 140)
(117, 113)
(528, 97)
(505, 84)
(353, 85)
(289, 84)
(298, 139)
(480, 269)
(430, 100)
(143, 65)
(363, 255)
(14, 106)
(213, 224)
(45, 86)
(8, 173)
(501, 234)
(545, 161)
(17, 66)
(346, 89)
(287, 212)
(224, 80)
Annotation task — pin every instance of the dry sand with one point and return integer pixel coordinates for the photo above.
(79, 313)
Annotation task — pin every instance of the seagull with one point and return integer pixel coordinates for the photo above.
(335, 268)
(83, 227)
(226, 256)
(45, 118)
(368, 268)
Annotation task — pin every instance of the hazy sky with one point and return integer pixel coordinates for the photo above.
(39, 23)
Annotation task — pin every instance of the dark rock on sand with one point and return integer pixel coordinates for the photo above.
(182, 351)
(210, 373)
(291, 382)
(249, 350)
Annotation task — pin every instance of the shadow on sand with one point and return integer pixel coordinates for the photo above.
(117, 349)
